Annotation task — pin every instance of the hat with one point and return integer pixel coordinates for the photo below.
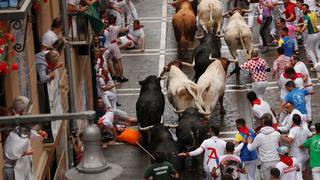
(283, 150)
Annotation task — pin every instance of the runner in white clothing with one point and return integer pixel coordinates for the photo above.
(135, 37)
(213, 148)
(300, 67)
(259, 108)
(297, 135)
(287, 123)
(287, 166)
(111, 33)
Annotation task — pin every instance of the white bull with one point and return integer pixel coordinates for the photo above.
(211, 86)
(237, 33)
(182, 92)
(210, 15)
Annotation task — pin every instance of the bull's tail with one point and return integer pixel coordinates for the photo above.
(211, 18)
(241, 41)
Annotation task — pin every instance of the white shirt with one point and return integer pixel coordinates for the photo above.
(282, 83)
(300, 67)
(260, 110)
(14, 147)
(136, 35)
(111, 34)
(74, 3)
(213, 148)
(287, 123)
(288, 172)
(299, 135)
(312, 4)
(267, 143)
(49, 38)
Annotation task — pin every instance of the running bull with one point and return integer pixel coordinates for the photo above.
(162, 141)
(237, 33)
(191, 132)
(182, 92)
(210, 15)
(211, 86)
(184, 23)
(150, 105)
(210, 46)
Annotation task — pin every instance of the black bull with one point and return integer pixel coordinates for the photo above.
(162, 141)
(150, 104)
(191, 132)
(210, 44)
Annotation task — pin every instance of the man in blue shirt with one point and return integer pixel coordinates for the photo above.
(287, 43)
(297, 97)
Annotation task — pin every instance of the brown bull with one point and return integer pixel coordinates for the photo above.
(184, 24)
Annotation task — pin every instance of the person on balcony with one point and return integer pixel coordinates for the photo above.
(111, 34)
(51, 36)
(135, 37)
(16, 156)
(75, 6)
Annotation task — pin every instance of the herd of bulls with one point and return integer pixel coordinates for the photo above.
(191, 99)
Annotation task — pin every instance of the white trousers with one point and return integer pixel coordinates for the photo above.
(259, 88)
(109, 99)
(254, 7)
(312, 47)
(316, 173)
(266, 167)
(251, 168)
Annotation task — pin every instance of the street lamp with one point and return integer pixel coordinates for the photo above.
(93, 165)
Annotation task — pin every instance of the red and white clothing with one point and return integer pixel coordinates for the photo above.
(278, 65)
(111, 34)
(287, 123)
(213, 148)
(134, 36)
(298, 81)
(299, 134)
(257, 67)
(288, 168)
(259, 108)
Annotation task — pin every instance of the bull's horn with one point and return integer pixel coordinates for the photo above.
(212, 58)
(171, 125)
(233, 60)
(163, 77)
(145, 128)
(186, 64)
(198, 37)
(225, 14)
(221, 35)
(204, 113)
(178, 111)
(246, 11)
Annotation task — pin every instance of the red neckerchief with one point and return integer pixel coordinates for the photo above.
(275, 127)
(296, 75)
(286, 160)
(256, 101)
(245, 130)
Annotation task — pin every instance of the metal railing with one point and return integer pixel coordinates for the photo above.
(79, 33)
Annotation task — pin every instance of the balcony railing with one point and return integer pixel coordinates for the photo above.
(79, 29)
(14, 9)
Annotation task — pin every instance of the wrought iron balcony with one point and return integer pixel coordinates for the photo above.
(14, 9)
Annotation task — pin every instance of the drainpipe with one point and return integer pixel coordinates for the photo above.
(67, 57)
